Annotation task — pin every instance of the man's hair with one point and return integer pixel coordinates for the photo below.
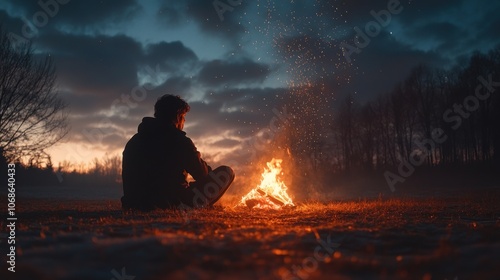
(170, 107)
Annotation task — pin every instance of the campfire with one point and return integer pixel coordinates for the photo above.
(271, 192)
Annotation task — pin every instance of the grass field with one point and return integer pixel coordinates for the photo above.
(401, 238)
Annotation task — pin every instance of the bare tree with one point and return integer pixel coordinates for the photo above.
(32, 116)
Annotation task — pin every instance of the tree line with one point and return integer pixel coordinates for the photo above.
(39, 171)
(434, 118)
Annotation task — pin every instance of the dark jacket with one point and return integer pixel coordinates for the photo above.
(156, 162)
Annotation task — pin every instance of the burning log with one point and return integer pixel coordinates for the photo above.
(271, 197)
(251, 203)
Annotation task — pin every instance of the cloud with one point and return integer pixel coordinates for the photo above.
(217, 73)
(380, 66)
(452, 28)
(94, 64)
(226, 143)
(233, 114)
(112, 141)
(437, 31)
(176, 85)
(95, 71)
(171, 55)
(205, 16)
(79, 15)
(9, 23)
(79, 103)
(417, 12)
(172, 14)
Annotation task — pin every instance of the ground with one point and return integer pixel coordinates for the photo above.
(383, 238)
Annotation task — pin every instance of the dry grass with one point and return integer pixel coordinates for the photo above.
(377, 239)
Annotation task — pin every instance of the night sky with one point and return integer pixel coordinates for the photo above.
(233, 61)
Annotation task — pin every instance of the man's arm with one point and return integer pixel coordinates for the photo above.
(195, 165)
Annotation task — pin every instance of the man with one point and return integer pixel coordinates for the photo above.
(158, 158)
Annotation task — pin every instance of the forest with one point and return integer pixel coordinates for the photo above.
(441, 123)
(448, 118)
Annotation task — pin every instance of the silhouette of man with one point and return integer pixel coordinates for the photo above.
(158, 158)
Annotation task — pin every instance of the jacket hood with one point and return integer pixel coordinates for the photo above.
(151, 125)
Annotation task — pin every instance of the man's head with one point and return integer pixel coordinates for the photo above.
(172, 109)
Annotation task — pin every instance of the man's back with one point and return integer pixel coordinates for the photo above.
(156, 161)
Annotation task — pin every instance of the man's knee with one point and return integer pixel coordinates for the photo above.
(222, 175)
(213, 187)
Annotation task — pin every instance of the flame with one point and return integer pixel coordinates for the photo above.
(271, 192)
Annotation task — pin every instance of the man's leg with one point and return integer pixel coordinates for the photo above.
(208, 191)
